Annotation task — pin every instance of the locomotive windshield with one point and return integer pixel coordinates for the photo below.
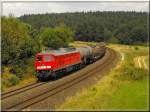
(39, 58)
(48, 58)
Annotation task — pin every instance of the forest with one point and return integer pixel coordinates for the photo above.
(27, 35)
(116, 27)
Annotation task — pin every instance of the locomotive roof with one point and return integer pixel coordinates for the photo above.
(58, 52)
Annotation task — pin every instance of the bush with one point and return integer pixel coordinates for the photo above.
(136, 48)
(9, 80)
(14, 80)
(18, 70)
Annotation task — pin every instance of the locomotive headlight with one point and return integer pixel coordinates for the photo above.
(38, 67)
(48, 66)
(41, 67)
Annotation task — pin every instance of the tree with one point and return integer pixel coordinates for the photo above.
(56, 37)
(138, 34)
(17, 45)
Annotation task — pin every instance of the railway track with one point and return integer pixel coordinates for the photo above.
(62, 86)
(20, 90)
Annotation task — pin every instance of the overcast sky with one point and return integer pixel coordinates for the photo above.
(18, 9)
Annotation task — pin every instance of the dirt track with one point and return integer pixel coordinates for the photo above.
(96, 71)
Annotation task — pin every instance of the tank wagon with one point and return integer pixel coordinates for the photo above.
(53, 63)
(86, 54)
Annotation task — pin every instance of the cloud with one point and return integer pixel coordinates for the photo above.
(21, 8)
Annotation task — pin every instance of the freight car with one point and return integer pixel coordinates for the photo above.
(99, 50)
(86, 54)
(54, 63)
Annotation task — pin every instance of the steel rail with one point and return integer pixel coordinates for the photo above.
(20, 90)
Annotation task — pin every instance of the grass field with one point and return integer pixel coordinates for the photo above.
(124, 88)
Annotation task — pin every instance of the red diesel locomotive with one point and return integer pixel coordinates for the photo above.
(56, 62)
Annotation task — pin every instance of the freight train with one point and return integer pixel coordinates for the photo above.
(54, 63)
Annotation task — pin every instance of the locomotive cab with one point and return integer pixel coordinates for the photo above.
(44, 64)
